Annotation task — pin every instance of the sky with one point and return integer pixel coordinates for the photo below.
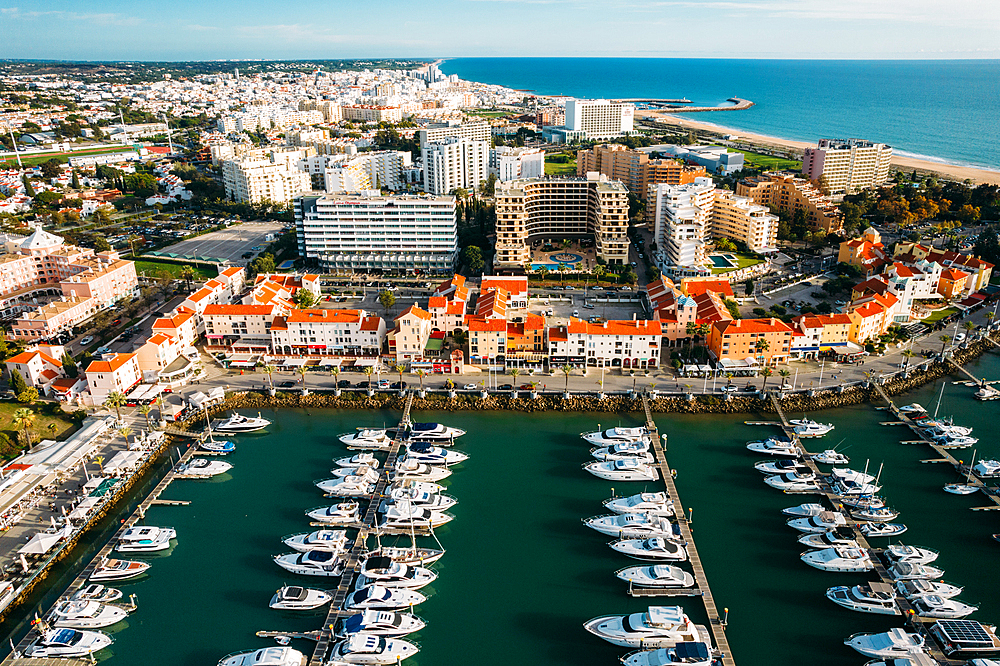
(225, 29)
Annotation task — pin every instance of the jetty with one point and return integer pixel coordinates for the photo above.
(736, 104)
(716, 621)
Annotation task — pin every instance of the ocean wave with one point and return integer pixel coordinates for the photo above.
(941, 160)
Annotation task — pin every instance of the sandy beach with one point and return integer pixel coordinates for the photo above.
(902, 162)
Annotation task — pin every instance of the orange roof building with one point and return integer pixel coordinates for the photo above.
(757, 342)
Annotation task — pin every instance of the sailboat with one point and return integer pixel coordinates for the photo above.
(963, 488)
(411, 556)
(212, 446)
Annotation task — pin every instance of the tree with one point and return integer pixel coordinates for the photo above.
(420, 375)
(51, 169)
(29, 191)
(101, 243)
(387, 299)
(69, 365)
(907, 354)
(399, 367)
(100, 217)
(335, 372)
(28, 395)
(566, 370)
(761, 346)
(302, 371)
(116, 400)
(305, 299)
(944, 342)
(17, 383)
(75, 183)
(23, 418)
(784, 373)
(799, 225)
(472, 256)
(145, 410)
(765, 373)
(514, 372)
(369, 371)
(187, 274)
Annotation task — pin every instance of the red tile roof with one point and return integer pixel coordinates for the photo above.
(617, 327)
(237, 309)
(514, 285)
(752, 326)
(696, 287)
(479, 324)
(321, 316)
(413, 309)
(110, 366)
(953, 274)
(370, 323)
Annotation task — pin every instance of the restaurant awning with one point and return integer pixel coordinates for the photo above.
(330, 362)
(365, 363)
(84, 508)
(294, 362)
(41, 543)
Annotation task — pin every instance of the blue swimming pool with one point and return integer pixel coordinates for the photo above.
(722, 260)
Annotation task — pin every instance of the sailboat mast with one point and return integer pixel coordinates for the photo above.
(940, 395)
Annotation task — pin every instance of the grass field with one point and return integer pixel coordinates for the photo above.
(50, 421)
(938, 316)
(173, 270)
(560, 168)
(34, 160)
(768, 162)
(742, 261)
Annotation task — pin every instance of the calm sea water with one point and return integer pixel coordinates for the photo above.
(944, 109)
(522, 573)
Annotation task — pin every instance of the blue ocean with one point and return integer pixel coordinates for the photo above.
(946, 110)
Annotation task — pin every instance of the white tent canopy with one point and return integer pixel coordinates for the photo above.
(42, 543)
(84, 508)
(329, 362)
(294, 362)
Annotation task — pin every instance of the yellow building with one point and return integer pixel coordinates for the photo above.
(634, 168)
(784, 193)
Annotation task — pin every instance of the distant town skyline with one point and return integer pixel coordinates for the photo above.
(186, 30)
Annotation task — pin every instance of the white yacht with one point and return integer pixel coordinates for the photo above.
(419, 486)
(893, 643)
(349, 486)
(408, 554)
(871, 530)
(631, 525)
(846, 474)
(987, 469)
(429, 432)
(944, 429)
(367, 438)
(364, 648)
(956, 442)
(97, 592)
(876, 515)
(345, 513)
(638, 449)
(841, 536)
(202, 468)
(294, 597)
(774, 447)
(804, 510)
(920, 658)
(900, 553)
(63, 643)
(403, 514)
(912, 408)
(86, 615)
(220, 447)
(931, 605)
(808, 428)
(960, 488)
(272, 656)
(363, 470)
(331, 541)
(311, 563)
(428, 454)
(613, 436)
(622, 470)
(657, 575)
(831, 457)
(794, 482)
(423, 498)
(145, 539)
(823, 522)
(694, 653)
(380, 623)
(363, 459)
(238, 423)
(911, 589)
(781, 466)
(384, 571)
(877, 598)
(987, 392)
(658, 627)
(119, 570)
(654, 549)
(411, 469)
(379, 597)
(911, 571)
(838, 559)
(654, 504)
(862, 502)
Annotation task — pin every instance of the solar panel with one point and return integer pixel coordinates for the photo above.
(966, 633)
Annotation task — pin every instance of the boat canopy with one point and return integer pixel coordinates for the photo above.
(665, 615)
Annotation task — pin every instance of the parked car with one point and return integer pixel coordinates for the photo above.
(343, 383)
(363, 385)
(471, 387)
(576, 313)
(505, 387)
(959, 337)
(86, 341)
(730, 388)
(286, 384)
(397, 386)
(383, 384)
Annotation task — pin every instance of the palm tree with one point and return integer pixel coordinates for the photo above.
(335, 371)
(100, 463)
(765, 373)
(269, 370)
(692, 332)
(159, 406)
(125, 431)
(450, 384)
(23, 418)
(990, 317)
(399, 367)
(187, 274)
(944, 342)
(420, 375)
(729, 376)
(907, 354)
(116, 400)
(969, 327)
(302, 371)
(145, 410)
(369, 371)
(566, 370)
(514, 372)
(784, 372)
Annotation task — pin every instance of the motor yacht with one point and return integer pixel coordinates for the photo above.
(435, 432)
(367, 438)
(931, 605)
(831, 457)
(863, 502)
(311, 563)
(658, 575)
(380, 623)
(408, 555)
(363, 459)
(424, 499)
(429, 454)
(853, 489)
(824, 522)
(363, 471)
(966, 638)
(871, 530)
(955, 442)
(842, 536)
(781, 466)
(876, 515)
(97, 592)
(912, 408)
(348, 486)
(900, 553)
(411, 469)
(220, 447)
(911, 589)
(272, 656)
(238, 423)
(774, 447)
(944, 429)
(419, 486)
(794, 482)
(841, 474)
(911, 571)
(202, 468)
(693, 653)
(65, 643)
(838, 559)
(631, 525)
(613, 436)
(379, 597)
(622, 470)
(808, 428)
(877, 598)
(85, 615)
(643, 457)
(145, 539)
(294, 597)
(654, 549)
(331, 541)
(893, 643)
(638, 449)
(960, 488)
(987, 392)
(345, 513)
(913, 659)
(119, 570)
(654, 504)
(804, 510)
(987, 469)
(404, 514)
(362, 648)
(384, 571)
(658, 627)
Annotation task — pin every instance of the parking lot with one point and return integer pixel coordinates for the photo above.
(227, 245)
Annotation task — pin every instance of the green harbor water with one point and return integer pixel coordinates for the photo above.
(522, 573)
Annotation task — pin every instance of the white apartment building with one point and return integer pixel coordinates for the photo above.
(453, 162)
(240, 325)
(408, 339)
(331, 111)
(599, 118)
(113, 372)
(740, 219)
(328, 332)
(478, 130)
(612, 344)
(847, 166)
(367, 171)
(508, 163)
(390, 233)
(253, 178)
(372, 114)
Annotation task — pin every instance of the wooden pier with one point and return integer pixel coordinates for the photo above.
(972, 377)
(716, 621)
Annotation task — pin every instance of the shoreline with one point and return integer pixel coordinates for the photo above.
(978, 175)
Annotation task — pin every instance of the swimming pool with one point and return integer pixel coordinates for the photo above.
(723, 260)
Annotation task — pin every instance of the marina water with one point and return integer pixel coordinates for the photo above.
(521, 573)
(944, 109)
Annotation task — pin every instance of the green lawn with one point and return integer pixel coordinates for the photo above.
(46, 415)
(767, 162)
(34, 160)
(560, 168)
(172, 269)
(939, 315)
(742, 261)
